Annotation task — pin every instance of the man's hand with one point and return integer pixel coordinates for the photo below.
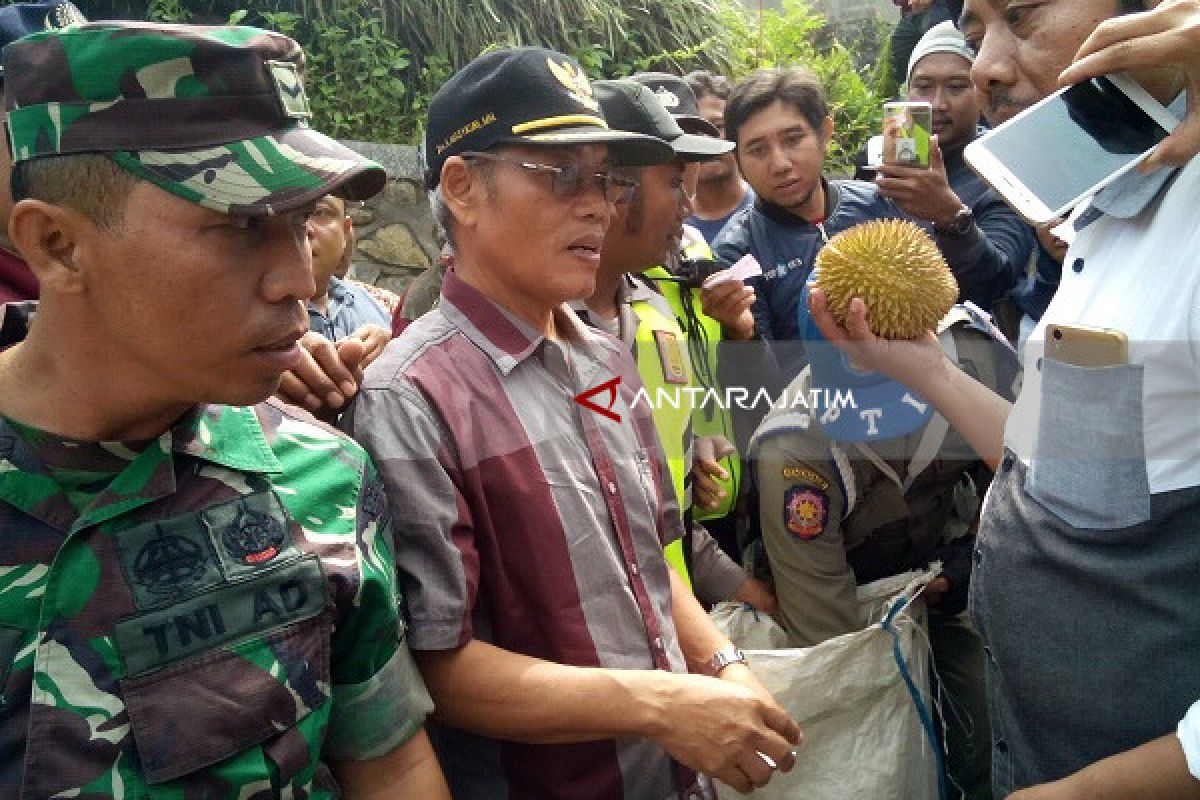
(910, 362)
(707, 452)
(936, 590)
(720, 726)
(1167, 36)
(919, 6)
(1053, 245)
(1157, 770)
(729, 303)
(327, 377)
(757, 594)
(373, 338)
(920, 192)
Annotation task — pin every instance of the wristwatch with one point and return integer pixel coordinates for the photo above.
(723, 658)
(964, 220)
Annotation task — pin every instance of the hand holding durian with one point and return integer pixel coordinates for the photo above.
(880, 290)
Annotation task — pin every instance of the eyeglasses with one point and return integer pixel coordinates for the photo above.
(569, 181)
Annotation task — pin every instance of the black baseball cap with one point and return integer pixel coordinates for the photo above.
(679, 99)
(525, 95)
(630, 106)
(21, 19)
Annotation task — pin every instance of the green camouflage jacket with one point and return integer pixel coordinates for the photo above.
(210, 614)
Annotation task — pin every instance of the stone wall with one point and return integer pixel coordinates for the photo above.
(396, 234)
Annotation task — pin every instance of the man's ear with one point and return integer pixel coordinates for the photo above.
(343, 266)
(48, 237)
(826, 131)
(463, 191)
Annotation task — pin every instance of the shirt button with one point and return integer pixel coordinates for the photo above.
(658, 643)
(633, 569)
(612, 487)
(1001, 746)
(1077, 265)
(978, 556)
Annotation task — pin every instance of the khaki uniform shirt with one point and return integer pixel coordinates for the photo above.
(834, 515)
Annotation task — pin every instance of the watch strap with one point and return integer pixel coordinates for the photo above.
(964, 220)
(722, 659)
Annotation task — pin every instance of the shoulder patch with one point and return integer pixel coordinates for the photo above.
(805, 510)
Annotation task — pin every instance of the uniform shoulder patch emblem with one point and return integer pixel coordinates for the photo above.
(168, 565)
(254, 538)
(805, 509)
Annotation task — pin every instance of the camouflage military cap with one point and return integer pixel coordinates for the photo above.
(216, 115)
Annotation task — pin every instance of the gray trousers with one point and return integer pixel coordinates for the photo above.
(1090, 632)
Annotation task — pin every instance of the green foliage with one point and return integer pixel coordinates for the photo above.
(798, 36)
(357, 76)
(168, 11)
(374, 64)
(886, 84)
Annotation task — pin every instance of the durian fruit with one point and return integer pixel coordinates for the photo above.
(898, 271)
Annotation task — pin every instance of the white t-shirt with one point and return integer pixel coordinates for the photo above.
(1141, 276)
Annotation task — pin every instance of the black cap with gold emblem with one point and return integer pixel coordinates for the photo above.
(525, 95)
(678, 98)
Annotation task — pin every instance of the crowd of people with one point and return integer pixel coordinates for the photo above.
(269, 532)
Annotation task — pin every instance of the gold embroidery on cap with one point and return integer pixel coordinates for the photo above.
(575, 81)
(466, 130)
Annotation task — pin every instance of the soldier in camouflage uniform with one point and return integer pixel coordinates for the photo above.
(197, 593)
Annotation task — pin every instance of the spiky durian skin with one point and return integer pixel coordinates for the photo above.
(898, 271)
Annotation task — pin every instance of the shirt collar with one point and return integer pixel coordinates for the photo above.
(833, 198)
(230, 436)
(503, 337)
(224, 435)
(338, 290)
(1129, 195)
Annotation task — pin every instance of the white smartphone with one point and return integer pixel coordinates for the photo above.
(1070, 145)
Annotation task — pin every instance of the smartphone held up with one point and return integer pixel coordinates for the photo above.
(1070, 145)
(906, 131)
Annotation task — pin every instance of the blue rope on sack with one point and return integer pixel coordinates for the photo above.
(922, 711)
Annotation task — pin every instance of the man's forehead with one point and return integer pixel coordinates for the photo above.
(775, 119)
(583, 153)
(941, 65)
(974, 10)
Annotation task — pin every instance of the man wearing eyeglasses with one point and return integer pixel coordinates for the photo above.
(553, 635)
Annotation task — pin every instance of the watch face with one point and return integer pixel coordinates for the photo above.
(963, 219)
